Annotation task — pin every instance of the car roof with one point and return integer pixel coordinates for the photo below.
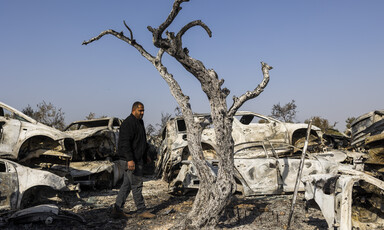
(93, 120)
(238, 113)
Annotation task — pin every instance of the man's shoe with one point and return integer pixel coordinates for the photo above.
(147, 215)
(117, 213)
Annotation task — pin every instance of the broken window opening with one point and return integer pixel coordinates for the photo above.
(181, 127)
(6, 113)
(17, 117)
(116, 123)
(251, 119)
(2, 167)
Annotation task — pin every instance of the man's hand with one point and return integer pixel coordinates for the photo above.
(131, 165)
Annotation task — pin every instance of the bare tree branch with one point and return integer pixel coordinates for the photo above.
(121, 36)
(159, 56)
(173, 45)
(105, 33)
(192, 24)
(174, 86)
(239, 101)
(130, 31)
(158, 41)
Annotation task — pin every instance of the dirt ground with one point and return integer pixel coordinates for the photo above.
(262, 212)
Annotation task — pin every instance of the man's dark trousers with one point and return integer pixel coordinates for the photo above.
(133, 180)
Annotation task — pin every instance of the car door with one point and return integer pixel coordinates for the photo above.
(259, 174)
(9, 133)
(8, 186)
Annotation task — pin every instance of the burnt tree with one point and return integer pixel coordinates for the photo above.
(215, 191)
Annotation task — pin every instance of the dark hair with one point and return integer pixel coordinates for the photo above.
(136, 104)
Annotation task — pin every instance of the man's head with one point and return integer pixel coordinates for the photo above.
(138, 110)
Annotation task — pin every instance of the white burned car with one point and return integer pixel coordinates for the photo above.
(21, 186)
(96, 139)
(348, 198)
(28, 142)
(257, 140)
(95, 164)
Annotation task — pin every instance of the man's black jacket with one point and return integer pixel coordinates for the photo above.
(132, 140)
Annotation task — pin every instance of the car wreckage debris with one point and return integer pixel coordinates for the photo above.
(31, 143)
(342, 175)
(265, 163)
(21, 185)
(46, 213)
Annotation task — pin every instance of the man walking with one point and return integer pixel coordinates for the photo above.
(132, 148)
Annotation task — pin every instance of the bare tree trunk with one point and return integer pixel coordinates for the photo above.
(214, 191)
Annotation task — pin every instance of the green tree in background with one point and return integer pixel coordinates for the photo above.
(286, 113)
(47, 114)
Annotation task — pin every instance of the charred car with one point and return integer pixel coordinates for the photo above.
(21, 186)
(29, 142)
(334, 139)
(348, 198)
(96, 139)
(257, 139)
(367, 135)
(95, 164)
(351, 198)
(366, 125)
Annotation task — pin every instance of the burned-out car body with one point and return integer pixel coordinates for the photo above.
(94, 174)
(367, 135)
(20, 185)
(348, 198)
(352, 198)
(25, 140)
(366, 125)
(255, 143)
(262, 175)
(96, 139)
(334, 139)
(95, 163)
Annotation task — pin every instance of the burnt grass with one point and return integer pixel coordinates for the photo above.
(94, 206)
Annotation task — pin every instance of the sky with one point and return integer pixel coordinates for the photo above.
(327, 55)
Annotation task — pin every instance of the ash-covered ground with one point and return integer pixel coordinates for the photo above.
(260, 212)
